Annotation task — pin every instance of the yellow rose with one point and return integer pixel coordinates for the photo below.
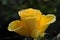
(33, 23)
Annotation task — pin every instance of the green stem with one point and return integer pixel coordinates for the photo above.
(39, 38)
(25, 38)
(35, 39)
(28, 38)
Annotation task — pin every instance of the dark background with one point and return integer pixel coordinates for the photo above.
(9, 12)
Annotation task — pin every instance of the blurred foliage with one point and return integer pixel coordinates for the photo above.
(47, 6)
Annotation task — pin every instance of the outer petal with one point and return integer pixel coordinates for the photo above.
(46, 21)
(18, 27)
(14, 25)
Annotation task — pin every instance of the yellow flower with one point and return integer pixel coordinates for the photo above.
(33, 23)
